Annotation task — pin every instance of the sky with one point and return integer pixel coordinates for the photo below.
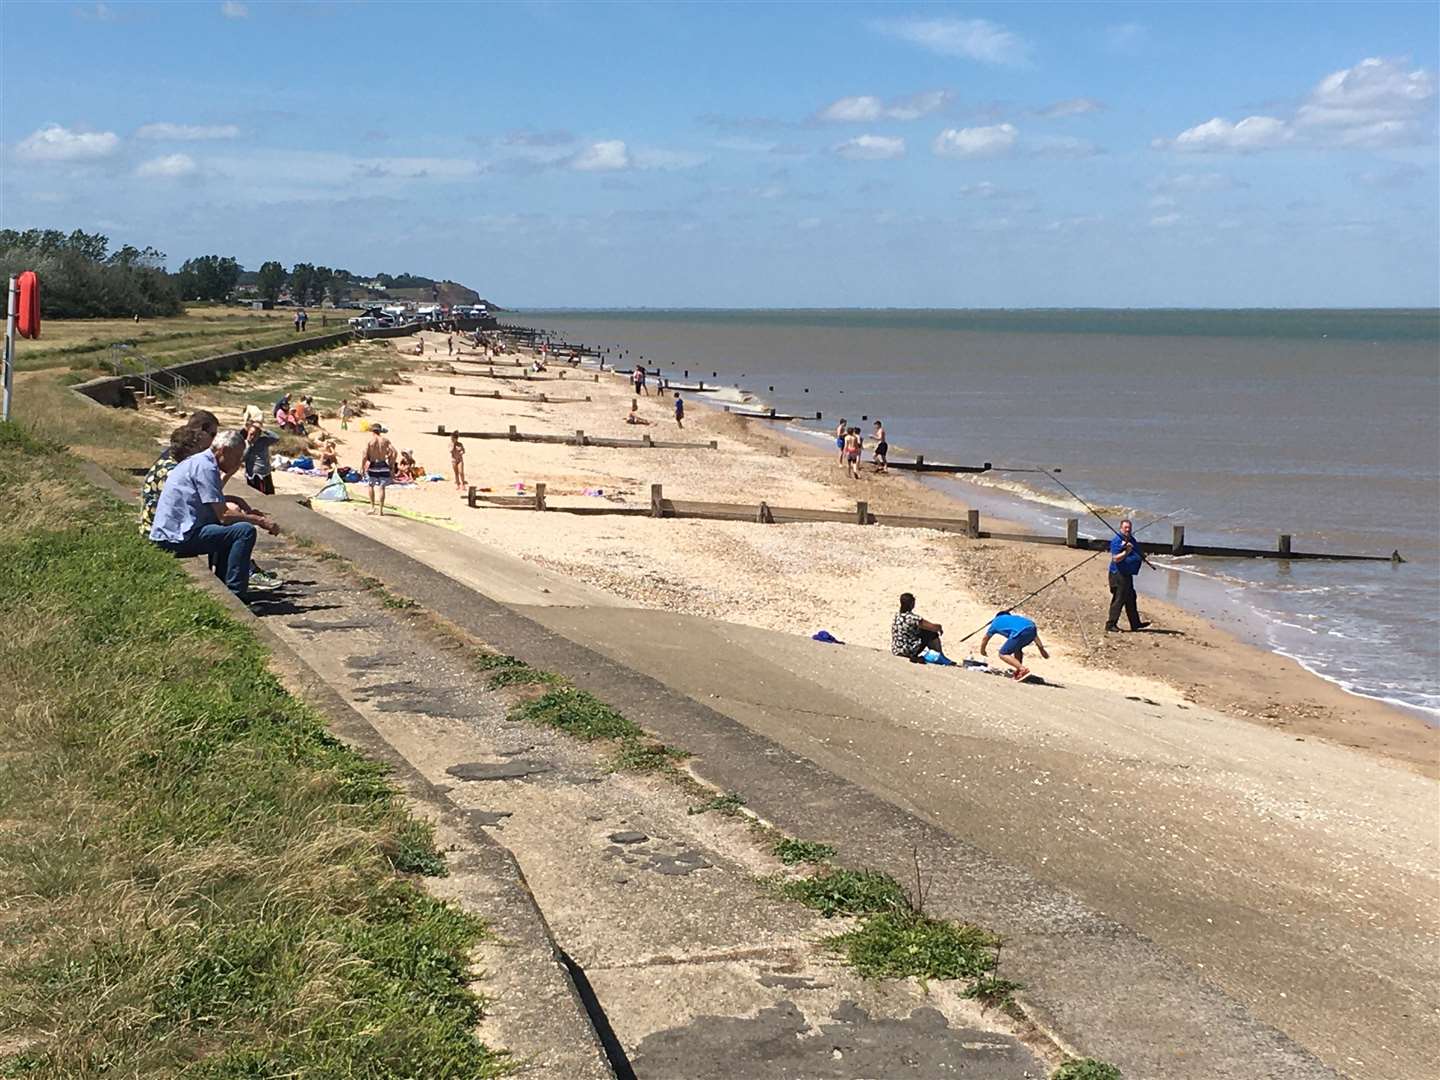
(749, 155)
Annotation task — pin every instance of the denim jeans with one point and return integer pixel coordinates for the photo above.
(229, 548)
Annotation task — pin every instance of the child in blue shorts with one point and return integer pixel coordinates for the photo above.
(1018, 632)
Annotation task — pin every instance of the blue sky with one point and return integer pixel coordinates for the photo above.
(905, 155)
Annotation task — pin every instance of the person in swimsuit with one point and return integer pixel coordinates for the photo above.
(882, 449)
(679, 410)
(634, 416)
(841, 430)
(457, 460)
(378, 465)
(851, 451)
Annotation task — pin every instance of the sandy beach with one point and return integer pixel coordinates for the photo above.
(802, 578)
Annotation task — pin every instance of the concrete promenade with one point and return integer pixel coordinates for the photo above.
(1235, 868)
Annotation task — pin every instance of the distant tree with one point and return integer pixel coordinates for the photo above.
(270, 280)
(208, 277)
(340, 285)
(82, 279)
(324, 277)
(302, 280)
(385, 280)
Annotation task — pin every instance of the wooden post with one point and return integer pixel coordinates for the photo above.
(1177, 539)
(972, 523)
(645, 440)
(470, 498)
(452, 391)
(542, 399)
(579, 437)
(1072, 532)
(714, 444)
(817, 416)
(656, 499)
(1284, 544)
(766, 517)
(862, 513)
(772, 412)
(513, 433)
(540, 496)
(919, 462)
(440, 429)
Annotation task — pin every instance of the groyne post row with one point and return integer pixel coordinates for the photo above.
(764, 513)
(645, 442)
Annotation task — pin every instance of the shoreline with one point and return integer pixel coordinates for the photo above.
(848, 584)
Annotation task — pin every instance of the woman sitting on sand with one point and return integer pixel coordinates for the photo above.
(634, 416)
(407, 471)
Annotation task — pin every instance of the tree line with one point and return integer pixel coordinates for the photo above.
(82, 278)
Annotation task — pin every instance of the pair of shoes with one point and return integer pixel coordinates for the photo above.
(265, 578)
(1111, 628)
(1139, 626)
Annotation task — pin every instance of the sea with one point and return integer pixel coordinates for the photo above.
(1239, 425)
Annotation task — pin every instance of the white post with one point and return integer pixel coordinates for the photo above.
(12, 308)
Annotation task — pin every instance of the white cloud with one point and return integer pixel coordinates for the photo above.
(1377, 103)
(975, 142)
(1372, 92)
(1070, 107)
(1399, 177)
(414, 168)
(975, 39)
(1129, 37)
(866, 108)
(1162, 202)
(169, 166)
(609, 155)
(1219, 135)
(1191, 182)
(1165, 221)
(55, 143)
(1063, 146)
(233, 9)
(666, 160)
(187, 132)
(983, 190)
(871, 148)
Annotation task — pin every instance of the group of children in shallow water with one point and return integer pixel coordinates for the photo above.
(850, 443)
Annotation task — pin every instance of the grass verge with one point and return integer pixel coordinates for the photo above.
(196, 879)
(792, 852)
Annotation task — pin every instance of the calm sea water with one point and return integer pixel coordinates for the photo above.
(1322, 424)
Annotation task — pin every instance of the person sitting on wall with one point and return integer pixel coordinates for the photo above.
(194, 517)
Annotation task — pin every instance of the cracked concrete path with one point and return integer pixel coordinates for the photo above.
(698, 969)
(1297, 877)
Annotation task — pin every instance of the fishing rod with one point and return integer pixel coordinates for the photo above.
(1099, 517)
(1061, 577)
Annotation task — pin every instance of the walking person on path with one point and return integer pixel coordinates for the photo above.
(638, 378)
(882, 449)
(1018, 632)
(378, 465)
(679, 410)
(1126, 558)
(457, 460)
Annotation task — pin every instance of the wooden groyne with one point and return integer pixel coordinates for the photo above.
(645, 442)
(969, 526)
(496, 395)
(767, 414)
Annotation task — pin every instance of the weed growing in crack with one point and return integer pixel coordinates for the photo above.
(728, 804)
(1086, 1069)
(900, 943)
(846, 892)
(792, 852)
(577, 713)
(642, 755)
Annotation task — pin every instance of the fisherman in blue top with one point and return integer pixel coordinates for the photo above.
(1126, 558)
(1018, 632)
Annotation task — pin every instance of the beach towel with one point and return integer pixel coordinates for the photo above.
(333, 491)
(826, 636)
